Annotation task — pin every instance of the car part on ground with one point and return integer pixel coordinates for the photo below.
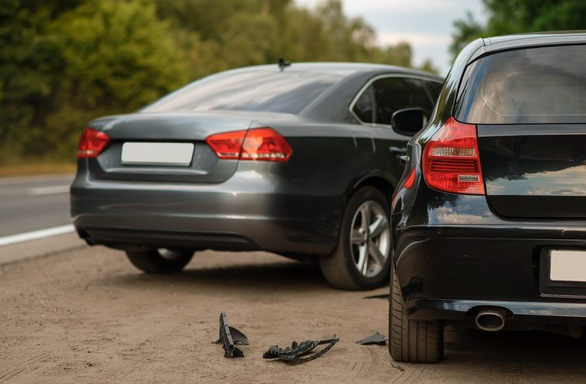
(298, 160)
(375, 338)
(230, 338)
(489, 218)
(294, 354)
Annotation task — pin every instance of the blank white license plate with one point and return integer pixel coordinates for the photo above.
(567, 265)
(174, 154)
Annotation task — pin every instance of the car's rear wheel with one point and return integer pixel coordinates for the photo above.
(159, 260)
(361, 259)
(412, 341)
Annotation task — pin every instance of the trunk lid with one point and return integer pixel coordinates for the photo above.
(166, 147)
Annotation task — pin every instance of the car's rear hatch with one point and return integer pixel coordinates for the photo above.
(164, 147)
(535, 171)
(529, 106)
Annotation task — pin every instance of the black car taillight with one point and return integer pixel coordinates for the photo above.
(451, 162)
(92, 143)
(263, 144)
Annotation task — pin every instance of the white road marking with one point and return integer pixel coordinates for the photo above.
(35, 235)
(49, 190)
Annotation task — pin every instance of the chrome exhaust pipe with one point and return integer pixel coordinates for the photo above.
(491, 319)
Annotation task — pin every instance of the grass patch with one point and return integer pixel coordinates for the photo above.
(13, 170)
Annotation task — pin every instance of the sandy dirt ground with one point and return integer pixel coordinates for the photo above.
(85, 315)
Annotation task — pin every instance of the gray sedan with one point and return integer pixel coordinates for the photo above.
(299, 160)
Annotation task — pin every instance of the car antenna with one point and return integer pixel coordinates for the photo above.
(283, 64)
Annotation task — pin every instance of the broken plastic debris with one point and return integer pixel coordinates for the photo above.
(230, 337)
(294, 353)
(376, 338)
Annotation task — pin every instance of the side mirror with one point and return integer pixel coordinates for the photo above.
(408, 121)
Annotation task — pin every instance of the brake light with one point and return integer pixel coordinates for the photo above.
(263, 144)
(92, 143)
(451, 162)
(227, 145)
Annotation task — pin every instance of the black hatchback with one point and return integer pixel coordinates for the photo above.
(489, 218)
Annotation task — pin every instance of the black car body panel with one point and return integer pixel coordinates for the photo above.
(292, 207)
(535, 171)
(513, 245)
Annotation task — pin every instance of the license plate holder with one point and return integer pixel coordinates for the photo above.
(563, 272)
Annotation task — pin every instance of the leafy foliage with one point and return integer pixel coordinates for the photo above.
(65, 62)
(521, 16)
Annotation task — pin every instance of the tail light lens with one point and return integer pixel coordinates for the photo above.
(263, 144)
(227, 145)
(92, 143)
(451, 162)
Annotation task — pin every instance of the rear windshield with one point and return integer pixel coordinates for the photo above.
(537, 85)
(286, 92)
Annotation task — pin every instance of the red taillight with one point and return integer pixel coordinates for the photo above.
(255, 144)
(265, 144)
(227, 145)
(91, 143)
(451, 162)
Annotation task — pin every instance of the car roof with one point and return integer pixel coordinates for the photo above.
(340, 68)
(500, 43)
(537, 38)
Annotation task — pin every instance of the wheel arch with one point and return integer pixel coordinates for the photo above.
(359, 261)
(376, 181)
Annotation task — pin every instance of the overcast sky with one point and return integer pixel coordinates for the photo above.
(427, 25)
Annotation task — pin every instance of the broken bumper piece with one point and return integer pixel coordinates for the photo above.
(230, 337)
(294, 353)
(376, 338)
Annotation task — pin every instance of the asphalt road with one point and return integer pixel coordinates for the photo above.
(33, 203)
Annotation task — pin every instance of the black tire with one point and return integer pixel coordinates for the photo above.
(362, 257)
(412, 341)
(159, 260)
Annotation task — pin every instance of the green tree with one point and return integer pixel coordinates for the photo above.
(118, 57)
(96, 58)
(467, 30)
(222, 34)
(520, 16)
(399, 54)
(27, 58)
(349, 39)
(65, 62)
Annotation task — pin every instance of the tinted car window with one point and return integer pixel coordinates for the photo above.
(389, 95)
(392, 94)
(287, 92)
(435, 89)
(536, 85)
(364, 106)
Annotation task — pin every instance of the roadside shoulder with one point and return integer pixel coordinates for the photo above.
(41, 247)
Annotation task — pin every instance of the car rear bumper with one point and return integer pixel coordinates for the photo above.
(451, 272)
(519, 314)
(230, 217)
